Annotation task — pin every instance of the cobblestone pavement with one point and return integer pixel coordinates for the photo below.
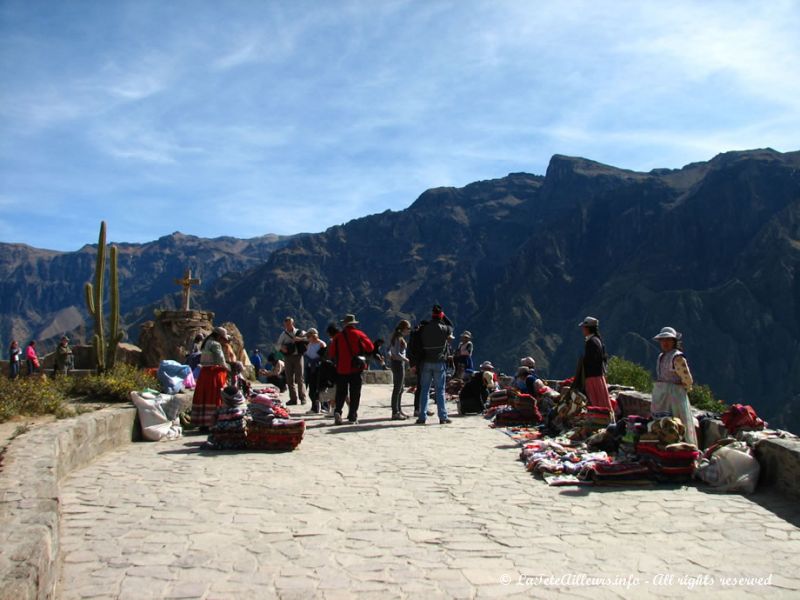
(388, 509)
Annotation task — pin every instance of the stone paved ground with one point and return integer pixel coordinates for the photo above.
(390, 510)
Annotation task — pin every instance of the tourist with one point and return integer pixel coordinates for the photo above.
(463, 359)
(435, 336)
(257, 360)
(214, 368)
(276, 375)
(31, 358)
(14, 354)
(313, 357)
(592, 367)
(348, 349)
(673, 383)
(293, 355)
(398, 361)
(63, 362)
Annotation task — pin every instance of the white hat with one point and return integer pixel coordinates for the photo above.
(467, 335)
(486, 366)
(589, 322)
(667, 333)
(528, 362)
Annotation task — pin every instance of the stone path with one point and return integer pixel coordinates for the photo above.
(392, 510)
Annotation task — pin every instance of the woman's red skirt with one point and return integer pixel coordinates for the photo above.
(207, 398)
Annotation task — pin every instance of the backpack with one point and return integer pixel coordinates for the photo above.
(416, 351)
(469, 398)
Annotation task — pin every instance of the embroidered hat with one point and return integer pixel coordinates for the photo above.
(466, 335)
(589, 322)
(667, 333)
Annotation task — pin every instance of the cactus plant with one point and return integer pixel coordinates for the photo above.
(105, 351)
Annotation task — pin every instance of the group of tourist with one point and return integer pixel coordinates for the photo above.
(307, 366)
(62, 364)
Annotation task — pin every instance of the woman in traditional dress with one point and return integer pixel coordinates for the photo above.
(592, 368)
(463, 358)
(673, 383)
(214, 370)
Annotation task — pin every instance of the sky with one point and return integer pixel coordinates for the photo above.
(245, 117)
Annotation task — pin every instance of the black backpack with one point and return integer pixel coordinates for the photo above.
(469, 398)
(416, 351)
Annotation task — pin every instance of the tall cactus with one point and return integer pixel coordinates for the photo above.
(105, 352)
(115, 335)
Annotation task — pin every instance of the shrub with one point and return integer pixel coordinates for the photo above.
(703, 398)
(625, 372)
(112, 386)
(32, 396)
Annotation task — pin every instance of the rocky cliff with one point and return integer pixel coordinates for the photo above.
(41, 291)
(712, 249)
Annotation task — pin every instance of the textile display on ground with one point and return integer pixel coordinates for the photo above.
(257, 423)
(584, 446)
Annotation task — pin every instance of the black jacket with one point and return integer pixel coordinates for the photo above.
(594, 357)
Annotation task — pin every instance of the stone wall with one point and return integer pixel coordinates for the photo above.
(780, 465)
(32, 468)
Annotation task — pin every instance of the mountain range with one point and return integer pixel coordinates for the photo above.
(712, 249)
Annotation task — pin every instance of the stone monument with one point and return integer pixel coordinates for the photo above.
(170, 335)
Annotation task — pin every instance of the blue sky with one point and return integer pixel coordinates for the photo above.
(244, 117)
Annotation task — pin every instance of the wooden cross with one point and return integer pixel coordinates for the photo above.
(187, 282)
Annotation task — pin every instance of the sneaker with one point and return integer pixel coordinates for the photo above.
(419, 422)
(352, 421)
(445, 421)
(404, 415)
(325, 406)
(337, 418)
(399, 417)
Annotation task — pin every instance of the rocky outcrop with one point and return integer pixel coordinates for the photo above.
(712, 249)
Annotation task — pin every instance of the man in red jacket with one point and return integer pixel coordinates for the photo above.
(344, 348)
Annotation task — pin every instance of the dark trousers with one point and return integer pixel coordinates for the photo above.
(398, 378)
(312, 376)
(351, 382)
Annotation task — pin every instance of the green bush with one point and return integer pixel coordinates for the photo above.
(112, 386)
(33, 396)
(703, 398)
(625, 372)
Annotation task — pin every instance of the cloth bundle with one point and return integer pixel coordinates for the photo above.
(507, 415)
(675, 462)
(172, 376)
(597, 417)
(158, 415)
(230, 430)
(280, 434)
(741, 416)
(614, 472)
(729, 467)
(666, 431)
